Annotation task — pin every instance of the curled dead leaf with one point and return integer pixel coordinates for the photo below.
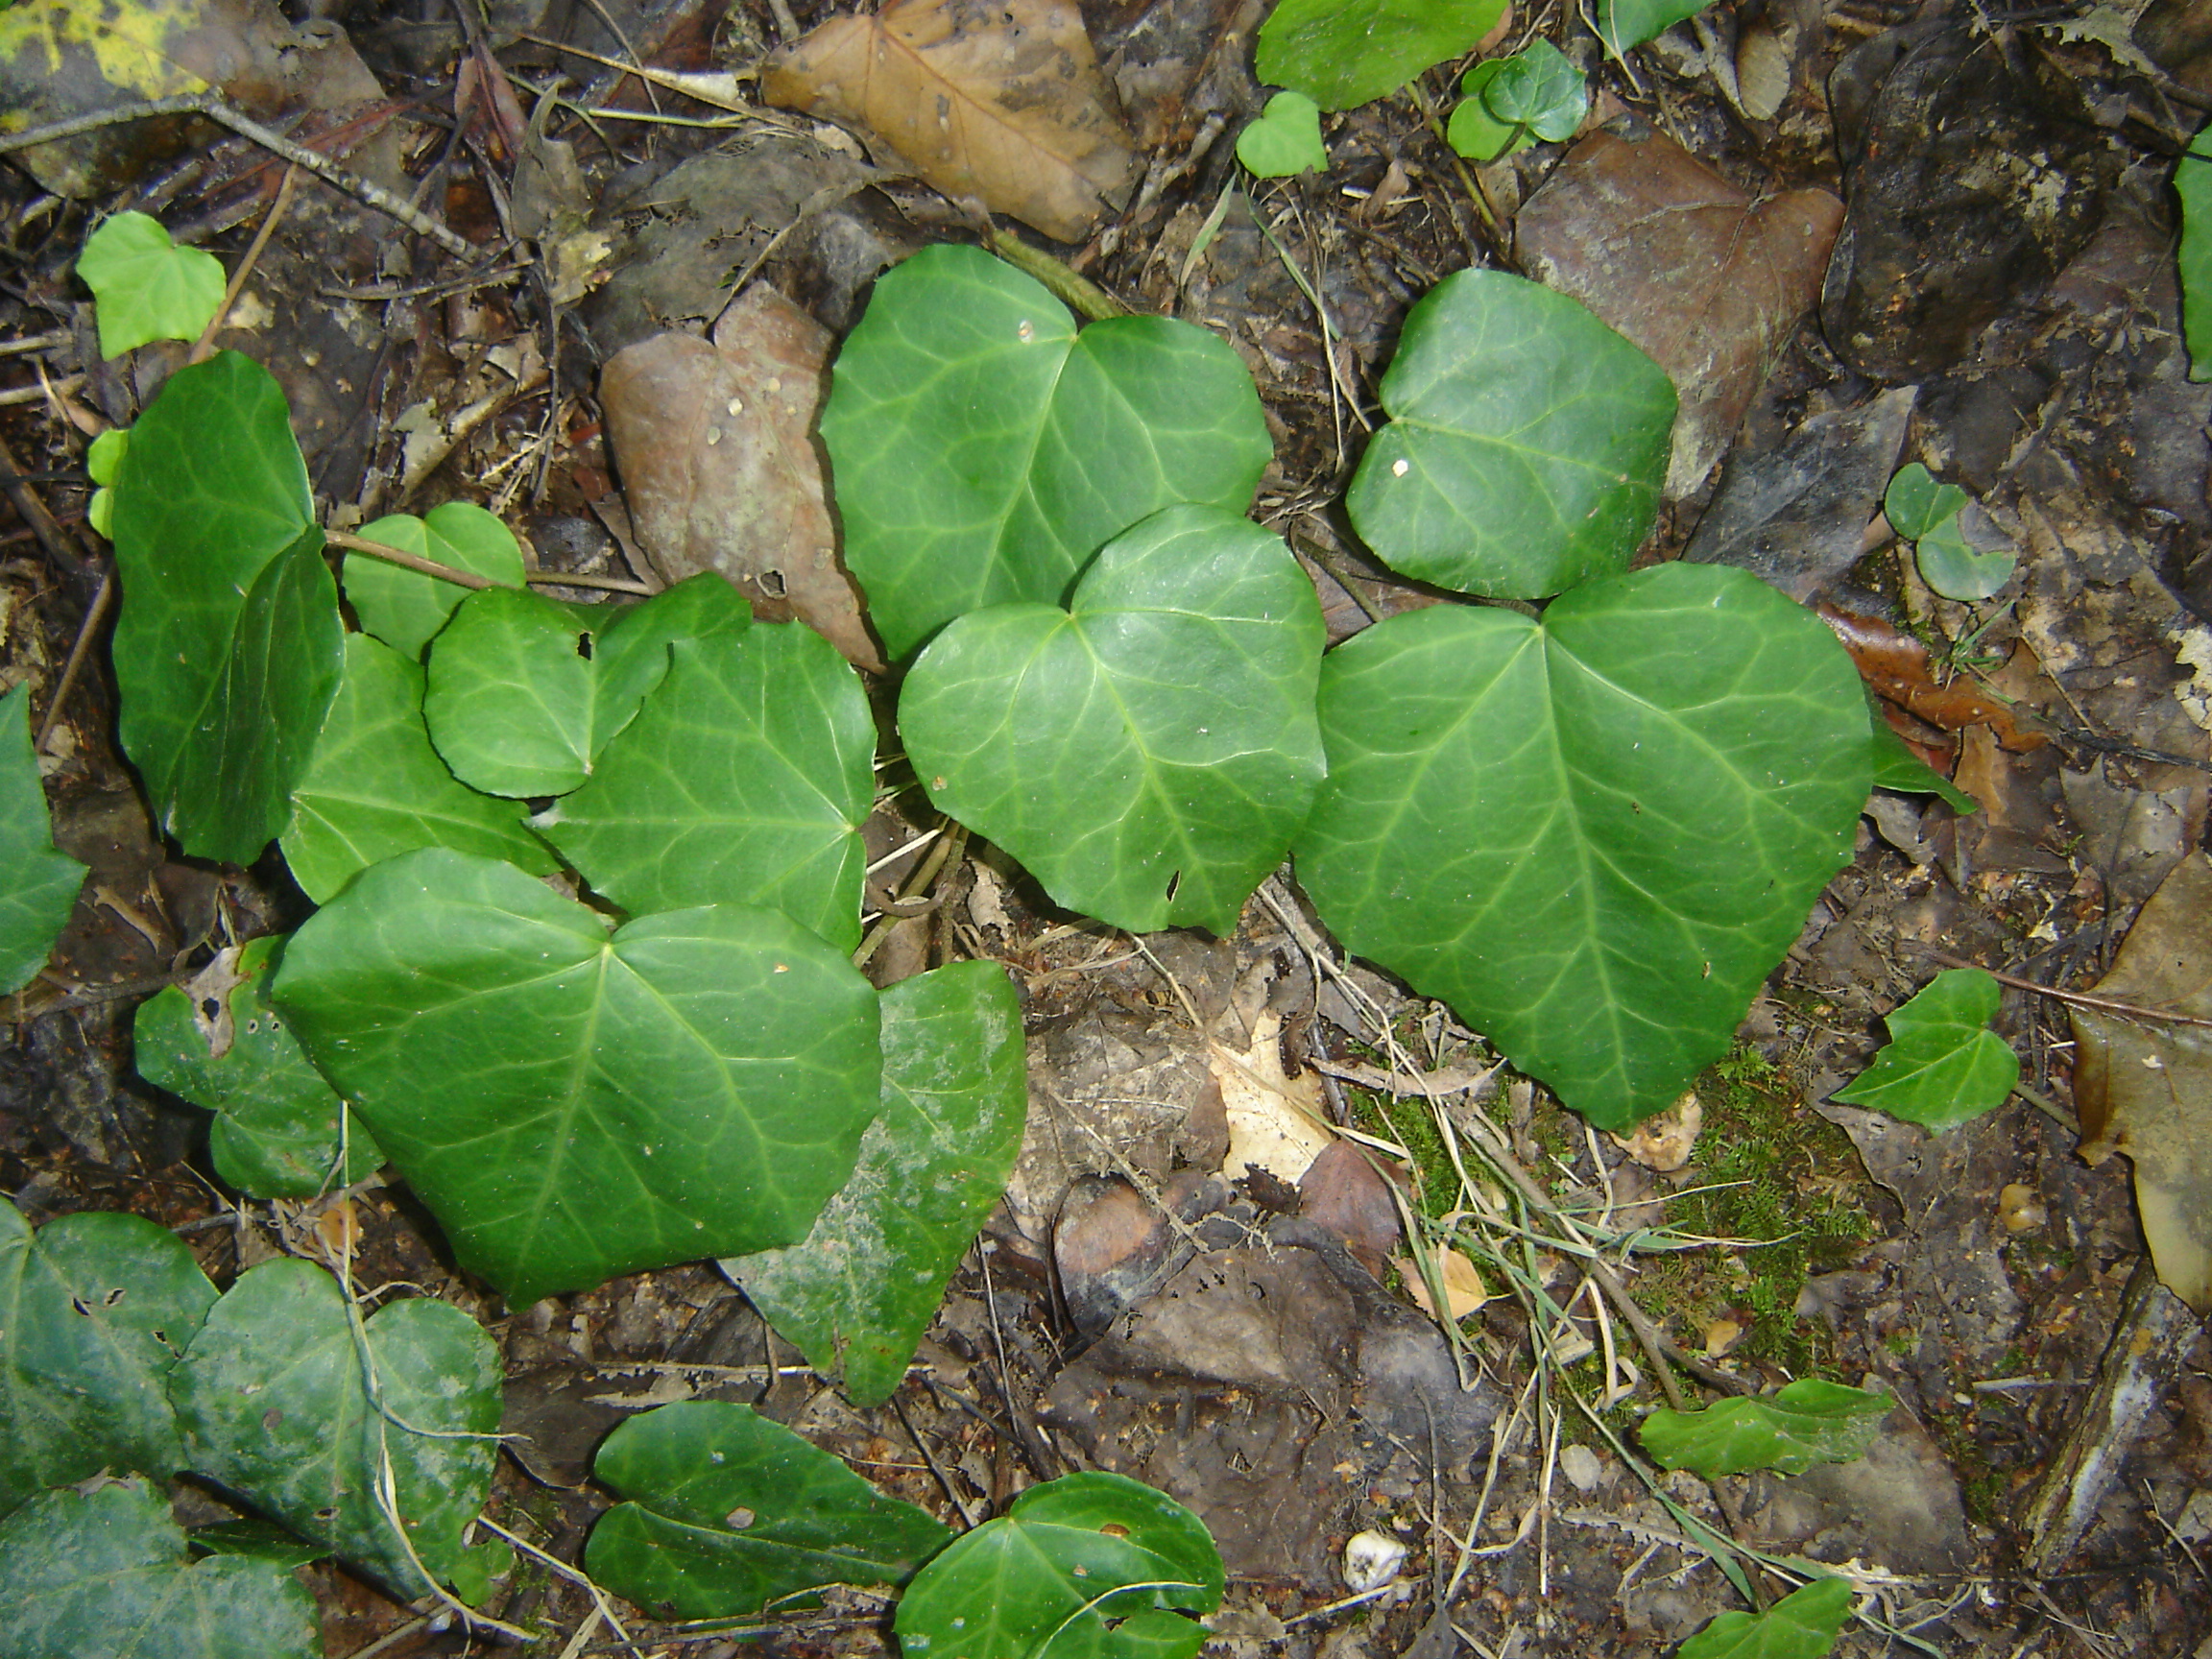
(1275, 1121)
(1899, 669)
(1663, 1142)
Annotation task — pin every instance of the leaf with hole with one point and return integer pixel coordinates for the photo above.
(1596, 834)
(405, 608)
(1345, 52)
(1538, 88)
(94, 1311)
(982, 450)
(277, 1404)
(856, 1294)
(275, 1130)
(1168, 712)
(105, 1570)
(572, 1102)
(1625, 23)
(1527, 443)
(1943, 1066)
(1284, 140)
(2193, 185)
(228, 648)
(524, 691)
(1088, 1566)
(745, 777)
(1807, 1422)
(375, 788)
(726, 1512)
(148, 288)
(39, 887)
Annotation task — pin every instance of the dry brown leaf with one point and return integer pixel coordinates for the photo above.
(1899, 669)
(1275, 1122)
(1002, 102)
(1663, 1142)
(1721, 1335)
(1463, 1286)
(2146, 1090)
(1708, 283)
(719, 467)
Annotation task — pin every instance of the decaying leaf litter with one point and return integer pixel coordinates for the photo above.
(1143, 1302)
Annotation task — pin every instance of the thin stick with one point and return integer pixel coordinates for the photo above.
(2079, 998)
(102, 602)
(407, 561)
(204, 347)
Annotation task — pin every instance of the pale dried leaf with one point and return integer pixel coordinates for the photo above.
(1275, 1122)
(1463, 1286)
(1664, 1143)
(1003, 104)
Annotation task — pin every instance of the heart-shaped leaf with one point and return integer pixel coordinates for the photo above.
(857, 1294)
(1285, 139)
(1943, 1064)
(375, 788)
(982, 450)
(228, 647)
(93, 1312)
(745, 778)
(38, 883)
(524, 691)
(728, 1512)
(1954, 567)
(1170, 714)
(574, 1105)
(2193, 185)
(147, 286)
(1625, 23)
(107, 1570)
(1346, 52)
(276, 1405)
(1526, 445)
(1915, 503)
(276, 1123)
(1088, 1566)
(1807, 1422)
(1539, 88)
(404, 608)
(1803, 1625)
(1473, 130)
(1593, 835)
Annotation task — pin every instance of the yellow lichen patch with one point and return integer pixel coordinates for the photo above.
(136, 45)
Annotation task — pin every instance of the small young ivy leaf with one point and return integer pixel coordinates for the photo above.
(276, 1131)
(1538, 88)
(572, 1104)
(1915, 503)
(148, 288)
(1284, 140)
(103, 460)
(39, 882)
(1897, 768)
(375, 788)
(984, 450)
(1803, 1625)
(1807, 1422)
(1954, 568)
(275, 1406)
(1473, 130)
(228, 647)
(106, 1570)
(1943, 1066)
(404, 608)
(1625, 23)
(2193, 184)
(1168, 712)
(857, 1293)
(1527, 447)
(1088, 1566)
(94, 1311)
(1594, 835)
(1342, 53)
(727, 1512)
(745, 778)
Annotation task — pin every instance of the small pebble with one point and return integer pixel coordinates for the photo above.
(1580, 1465)
(2021, 1208)
(1371, 1560)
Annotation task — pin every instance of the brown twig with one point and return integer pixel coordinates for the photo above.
(407, 561)
(204, 347)
(102, 602)
(2078, 998)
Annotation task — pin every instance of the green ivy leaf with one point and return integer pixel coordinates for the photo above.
(1809, 1420)
(1088, 1566)
(228, 647)
(1170, 714)
(2193, 184)
(857, 1294)
(274, 1400)
(1527, 447)
(1346, 52)
(524, 691)
(1943, 1066)
(103, 460)
(745, 778)
(1284, 140)
(728, 1512)
(1915, 503)
(276, 1131)
(1539, 88)
(148, 288)
(37, 882)
(1473, 130)
(1625, 23)
(1803, 1625)
(1897, 768)
(375, 788)
(404, 608)
(107, 1570)
(1594, 835)
(572, 1105)
(1957, 569)
(984, 450)
(93, 1312)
